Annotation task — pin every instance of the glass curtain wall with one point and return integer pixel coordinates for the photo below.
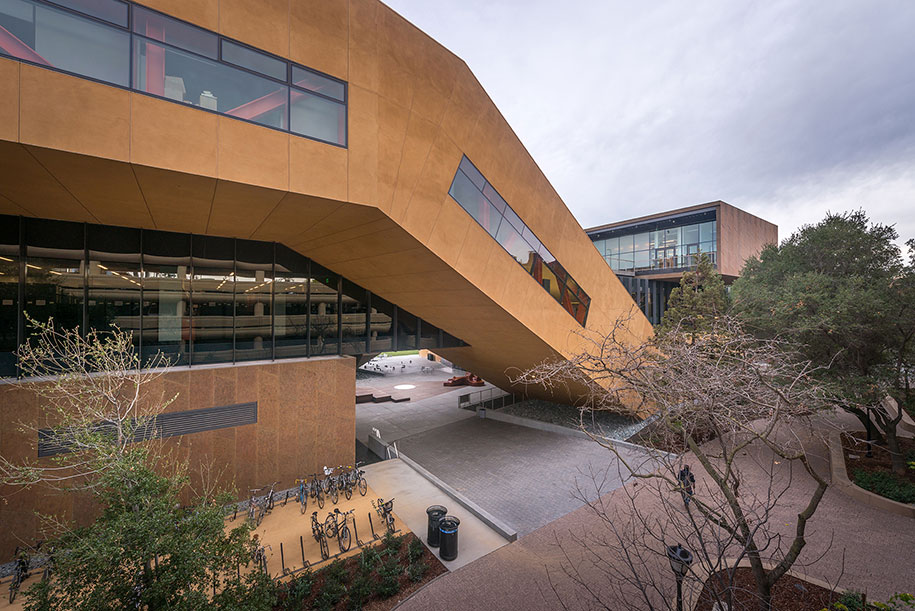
(671, 248)
(480, 200)
(195, 299)
(127, 45)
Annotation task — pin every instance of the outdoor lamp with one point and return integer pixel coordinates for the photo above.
(680, 559)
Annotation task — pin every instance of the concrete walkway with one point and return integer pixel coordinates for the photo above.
(523, 476)
(848, 544)
(413, 493)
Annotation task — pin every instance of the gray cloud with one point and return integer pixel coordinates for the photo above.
(785, 109)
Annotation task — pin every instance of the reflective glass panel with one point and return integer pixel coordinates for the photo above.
(691, 234)
(290, 299)
(62, 40)
(381, 325)
(640, 241)
(114, 279)
(174, 32)
(428, 335)
(317, 117)
(323, 321)
(354, 308)
(204, 83)
(512, 241)
(54, 288)
(707, 232)
(109, 10)
(9, 294)
(166, 295)
(306, 79)
(253, 297)
(253, 60)
(471, 199)
(406, 330)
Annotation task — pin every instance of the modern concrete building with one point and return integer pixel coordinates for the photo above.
(650, 253)
(268, 191)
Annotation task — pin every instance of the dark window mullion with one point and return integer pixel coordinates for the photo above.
(339, 315)
(308, 309)
(368, 321)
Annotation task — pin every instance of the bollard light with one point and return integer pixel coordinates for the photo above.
(680, 560)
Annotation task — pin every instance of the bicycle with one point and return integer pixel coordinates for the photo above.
(317, 531)
(259, 555)
(359, 478)
(339, 530)
(23, 562)
(256, 510)
(385, 510)
(317, 490)
(330, 485)
(270, 502)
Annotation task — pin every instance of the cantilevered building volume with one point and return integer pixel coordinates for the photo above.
(268, 191)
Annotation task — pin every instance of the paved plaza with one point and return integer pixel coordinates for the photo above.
(523, 476)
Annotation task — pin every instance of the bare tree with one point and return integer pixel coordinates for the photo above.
(740, 409)
(95, 399)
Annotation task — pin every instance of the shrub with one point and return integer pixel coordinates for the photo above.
(417, 571)
(359, 591)
(391, 544)
(415, 550)
(886, 484)
(297, 591)
(390, 578)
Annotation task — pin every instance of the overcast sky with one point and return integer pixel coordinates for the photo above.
(784, 109)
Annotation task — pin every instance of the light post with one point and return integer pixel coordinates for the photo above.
(680, 559)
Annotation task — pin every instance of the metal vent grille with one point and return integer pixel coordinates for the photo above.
(167, 425)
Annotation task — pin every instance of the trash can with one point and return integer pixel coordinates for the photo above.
(448, 528)
(435, 513)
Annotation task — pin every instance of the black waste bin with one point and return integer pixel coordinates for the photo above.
(448, 529)
(435, 513)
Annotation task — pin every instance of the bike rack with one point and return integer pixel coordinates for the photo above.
(282, 559)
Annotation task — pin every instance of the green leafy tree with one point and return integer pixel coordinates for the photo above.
(841, 291)
(700, 298)
(144, 550)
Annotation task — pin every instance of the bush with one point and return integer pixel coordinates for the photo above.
(390, 578)
(415, 550)
(417, 571)
(297, 591)
(360, 590)
(885, 484)
(391, 544)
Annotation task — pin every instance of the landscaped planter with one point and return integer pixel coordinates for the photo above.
(841, 480)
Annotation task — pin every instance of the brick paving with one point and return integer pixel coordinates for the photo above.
(848, 544)
(523, 476)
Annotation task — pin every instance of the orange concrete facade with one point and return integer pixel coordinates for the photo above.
(377, 212)
(305, 420)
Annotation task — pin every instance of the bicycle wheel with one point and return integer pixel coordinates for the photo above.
(330, 526)
(14, 589)
(389, 522)
(325, 551)
(363, 487)
(320, 499)
(348, 492)
(334, 497)
(270, 502)
(304, 504)
(262, 511)
(344, 539)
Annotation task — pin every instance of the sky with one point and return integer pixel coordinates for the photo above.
(784, 109)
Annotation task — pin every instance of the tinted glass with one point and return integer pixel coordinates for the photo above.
(54, 288)
(253, 60)
(109, 10)
(354, 309)
(471, 199)
(253, 301)
(707, 232)
(407, 338)
(114, 280)
(512, 241)
(204, 83)
(171, 31)
(381, 326)
(691, 234)
(166, 295)
(290, 295)
(306, 79)
(323, 320)
(62, 40)
(9, 293)
(317, 117)
(213, 294)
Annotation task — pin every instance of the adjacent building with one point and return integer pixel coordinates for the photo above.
(650, 253)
